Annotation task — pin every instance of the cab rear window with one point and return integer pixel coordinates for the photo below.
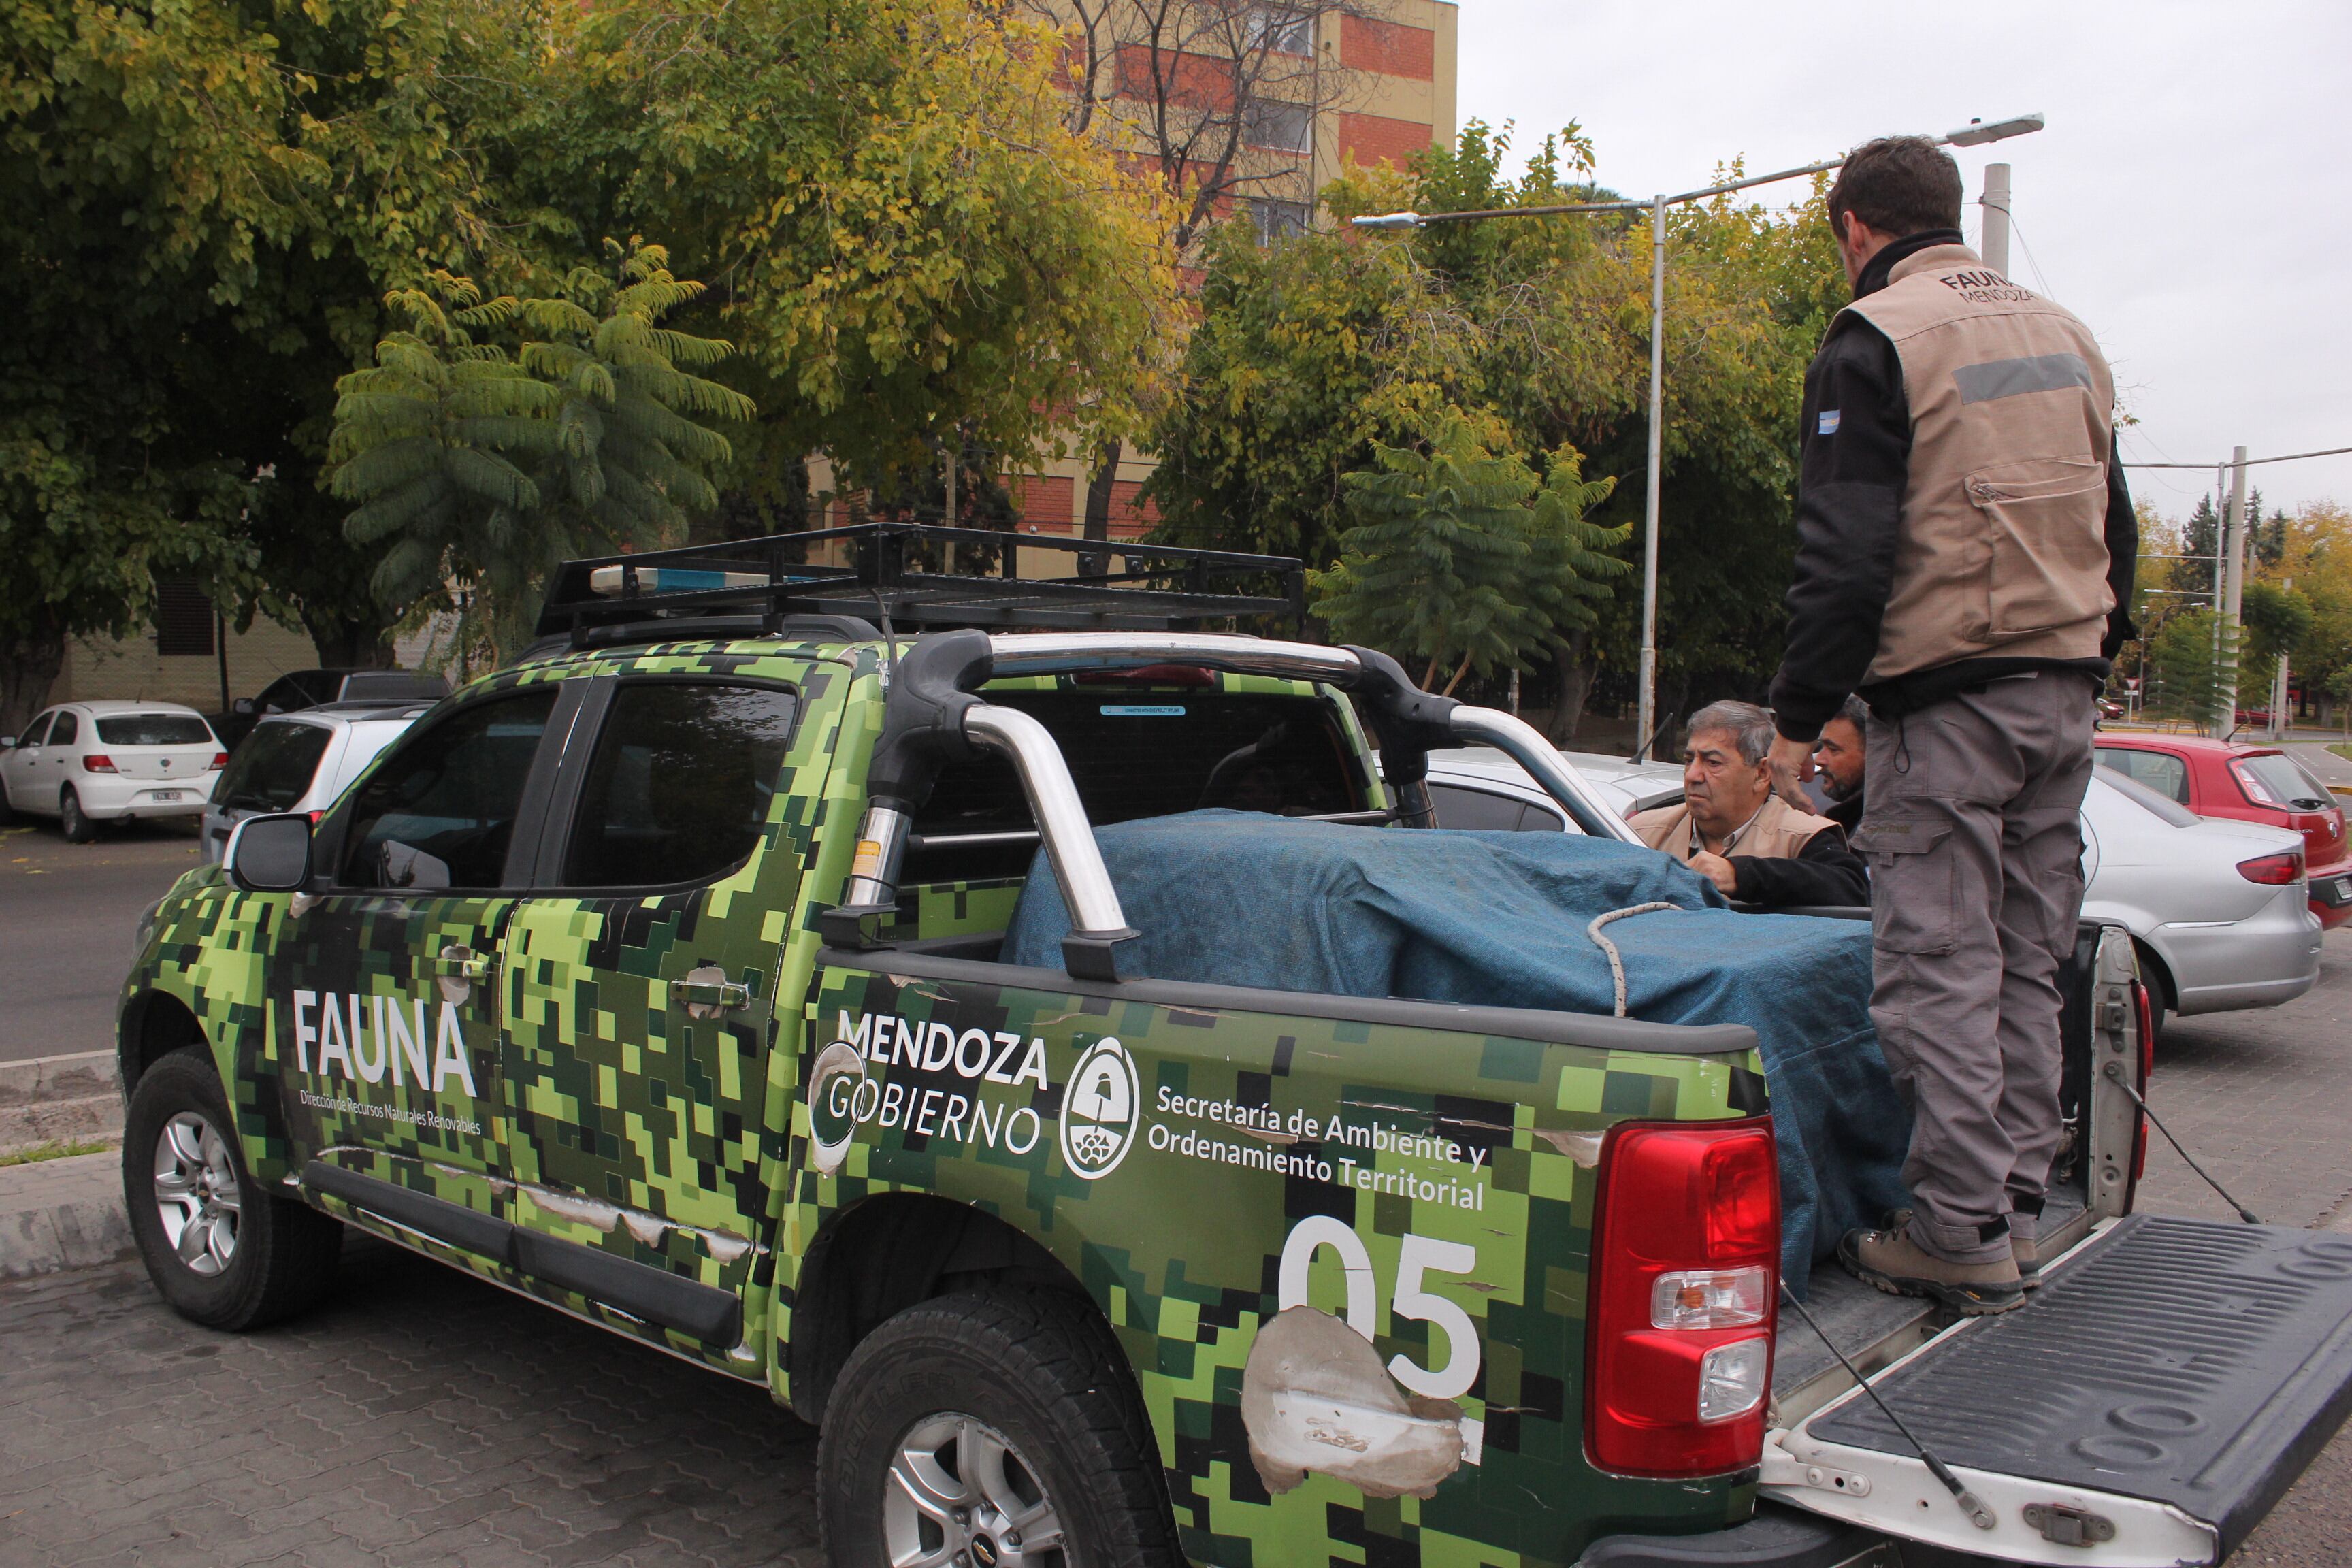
(273, 769)
(1149, 753)
(153, 730)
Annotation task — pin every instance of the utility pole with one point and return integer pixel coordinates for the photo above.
(1993, 242)
(2233, 588)
(1646, 718)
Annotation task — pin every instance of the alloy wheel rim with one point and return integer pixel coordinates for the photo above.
(960, 1495)
(196, 1193)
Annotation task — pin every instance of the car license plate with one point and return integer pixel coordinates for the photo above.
(166, 794)
(2336, 890)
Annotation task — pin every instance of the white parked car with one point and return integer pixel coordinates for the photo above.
(2218, 909)
(88, 762)
(302, 762)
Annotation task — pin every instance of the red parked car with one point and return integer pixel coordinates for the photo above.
(2251, 783)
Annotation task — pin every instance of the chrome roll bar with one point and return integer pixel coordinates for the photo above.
(935, 715)
(1097, 924)
(1523, 745)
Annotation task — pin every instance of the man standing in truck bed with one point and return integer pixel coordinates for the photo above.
(1964, 561)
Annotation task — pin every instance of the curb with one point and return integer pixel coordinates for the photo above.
(50, 1099)
(62, 1213)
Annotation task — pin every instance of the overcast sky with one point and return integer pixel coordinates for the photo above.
(2191, 199)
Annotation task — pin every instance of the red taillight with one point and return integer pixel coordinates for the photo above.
(1681, 1297)
(220, 761)
(314, 818)
(2280, 870)
(97, 762)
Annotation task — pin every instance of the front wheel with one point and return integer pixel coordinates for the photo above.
(223, 1251)
(998, 1428)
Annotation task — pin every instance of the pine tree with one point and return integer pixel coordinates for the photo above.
(488, 466)
(1460, 557)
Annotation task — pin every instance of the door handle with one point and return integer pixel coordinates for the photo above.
(462, 962)
(705, 992)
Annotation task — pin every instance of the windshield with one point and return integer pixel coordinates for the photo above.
(272, 770)
(154, 730)
(2272, 778)
(2163, 805)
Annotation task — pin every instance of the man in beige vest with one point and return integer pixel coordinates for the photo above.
(1733, 830)
(1964, 559)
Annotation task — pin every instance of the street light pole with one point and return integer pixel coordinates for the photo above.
(1976, 132)
(1646, 718)
(1993, 242)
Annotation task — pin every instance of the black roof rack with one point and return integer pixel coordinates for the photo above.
(927, 576)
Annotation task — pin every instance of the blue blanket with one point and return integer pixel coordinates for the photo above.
(1241, 899)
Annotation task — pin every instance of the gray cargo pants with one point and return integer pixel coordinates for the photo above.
(1973, 832)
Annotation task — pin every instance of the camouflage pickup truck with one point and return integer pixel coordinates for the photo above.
(656, 977)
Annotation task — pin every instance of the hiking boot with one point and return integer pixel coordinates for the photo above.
(2029, 1261)
(1892, 1261)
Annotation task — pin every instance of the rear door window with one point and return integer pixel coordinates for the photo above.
(153, 730)
(2159, 770)
(273, 769)
(1477, 809)
(64, 730)
(440, 811)
(679, 785)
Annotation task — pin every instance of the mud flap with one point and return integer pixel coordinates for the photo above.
(2165, 1387)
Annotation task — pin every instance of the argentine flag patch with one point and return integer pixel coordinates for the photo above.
(1829, 422)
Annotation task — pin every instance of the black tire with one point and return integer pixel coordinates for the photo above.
(72, 821)
(1035, 1371)
(279, 1254)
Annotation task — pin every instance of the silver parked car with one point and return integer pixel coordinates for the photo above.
(302, 762)
(2216, 909)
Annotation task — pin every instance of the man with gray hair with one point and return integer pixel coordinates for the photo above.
(1734, 831)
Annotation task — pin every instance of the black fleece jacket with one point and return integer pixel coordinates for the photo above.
(1851, 480)
(1825, 871)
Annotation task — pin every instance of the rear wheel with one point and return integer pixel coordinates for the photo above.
(991, 1430)
(72, 820)
(220, 1250)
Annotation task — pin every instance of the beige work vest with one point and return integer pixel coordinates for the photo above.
(2003, 550)
(1778, 832)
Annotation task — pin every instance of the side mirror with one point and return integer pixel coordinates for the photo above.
(270, 854)
(243, 707)
(7, 742)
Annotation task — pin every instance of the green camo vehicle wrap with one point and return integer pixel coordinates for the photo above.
(1413, 1205)
(1281, 1214)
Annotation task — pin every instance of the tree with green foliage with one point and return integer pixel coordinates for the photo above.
(902, 235)
(208, 206)
(1460, 557)
(1310, 353)
(484, 464)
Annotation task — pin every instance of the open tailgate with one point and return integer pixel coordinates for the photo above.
(2148, 1406)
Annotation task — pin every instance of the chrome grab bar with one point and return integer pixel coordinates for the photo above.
(1523, 745)
(1097, 923)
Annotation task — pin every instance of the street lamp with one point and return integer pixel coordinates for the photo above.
(1975, 133)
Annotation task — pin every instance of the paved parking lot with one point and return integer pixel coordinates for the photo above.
(425, 1418)
(69, 911)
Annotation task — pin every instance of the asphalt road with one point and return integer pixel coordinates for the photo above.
(68, 915)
